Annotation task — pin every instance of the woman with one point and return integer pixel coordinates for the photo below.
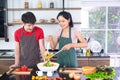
(67, 38)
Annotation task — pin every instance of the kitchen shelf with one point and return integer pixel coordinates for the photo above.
(40, 23)
(21, 9)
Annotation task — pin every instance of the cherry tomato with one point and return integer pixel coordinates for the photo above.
(49, 78)
(24, 68)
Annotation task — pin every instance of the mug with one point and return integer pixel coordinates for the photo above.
(39, 73)
(49, 73)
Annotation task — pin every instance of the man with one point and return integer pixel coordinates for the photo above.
(29, 42)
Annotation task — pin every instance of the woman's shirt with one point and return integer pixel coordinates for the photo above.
(74, 33)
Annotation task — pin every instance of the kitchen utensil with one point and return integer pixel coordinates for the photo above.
(43, 68)
(69, 70)
(48, 46)
(39, 73)
(49, 73)
(50, 55)
(22, 72)
(56, 53)
(5, 76)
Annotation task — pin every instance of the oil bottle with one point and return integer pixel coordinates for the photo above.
(88, 53)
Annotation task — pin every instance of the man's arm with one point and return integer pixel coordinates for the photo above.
(17, 53)
(42, 47)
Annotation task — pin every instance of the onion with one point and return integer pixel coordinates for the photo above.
(76, 76)
(71, 75)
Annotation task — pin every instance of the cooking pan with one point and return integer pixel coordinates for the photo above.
(5, 76)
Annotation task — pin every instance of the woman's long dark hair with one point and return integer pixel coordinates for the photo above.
(67, 16)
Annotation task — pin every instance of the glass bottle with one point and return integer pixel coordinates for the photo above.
(26, 4)
(39, 4)
(88, 53)
(51, 4)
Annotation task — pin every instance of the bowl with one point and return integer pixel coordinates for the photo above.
(46, 68)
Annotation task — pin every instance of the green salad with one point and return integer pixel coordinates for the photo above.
(102, 72)
(48, 64)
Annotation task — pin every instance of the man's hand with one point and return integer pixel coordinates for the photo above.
(13, 66)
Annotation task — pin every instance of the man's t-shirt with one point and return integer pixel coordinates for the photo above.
(38, 33)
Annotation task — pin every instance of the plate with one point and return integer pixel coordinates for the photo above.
(94, 46)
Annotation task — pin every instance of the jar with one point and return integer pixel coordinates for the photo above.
(39, 4)
(52, 4)
(26, 4)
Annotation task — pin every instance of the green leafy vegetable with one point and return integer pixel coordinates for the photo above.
(103, 72)
(48, 64)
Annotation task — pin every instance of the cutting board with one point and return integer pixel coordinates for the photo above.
(22, 72)
(69, 70)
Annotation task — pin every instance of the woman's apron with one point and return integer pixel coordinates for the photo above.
(68, 57)
(29, 50)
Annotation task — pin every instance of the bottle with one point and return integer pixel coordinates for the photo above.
(26, 4)
(39, 4)
(51, 4)
(88, 53)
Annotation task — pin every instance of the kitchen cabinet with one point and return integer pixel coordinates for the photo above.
(82, 61)
(91, 61)
(4, 64)
(99, 61)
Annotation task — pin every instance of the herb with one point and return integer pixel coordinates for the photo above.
(103, 72)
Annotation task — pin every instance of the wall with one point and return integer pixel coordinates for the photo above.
(48, 29)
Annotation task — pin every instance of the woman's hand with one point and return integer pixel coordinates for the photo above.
(49, 38)
(67, 47)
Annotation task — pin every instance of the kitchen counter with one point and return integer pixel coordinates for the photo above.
(56, 74)
(82, 61)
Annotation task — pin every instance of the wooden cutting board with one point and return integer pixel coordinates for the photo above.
(22, 72)
(69, 70)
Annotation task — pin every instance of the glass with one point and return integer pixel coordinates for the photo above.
(93, 17)
(114, 17)
(113, 44)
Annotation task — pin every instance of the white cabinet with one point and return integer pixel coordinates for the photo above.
(115, 60)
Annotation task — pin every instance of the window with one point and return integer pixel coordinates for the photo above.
(103, 24)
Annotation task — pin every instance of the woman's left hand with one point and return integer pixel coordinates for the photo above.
(67, 47)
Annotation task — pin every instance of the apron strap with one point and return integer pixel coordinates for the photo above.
(69, 33)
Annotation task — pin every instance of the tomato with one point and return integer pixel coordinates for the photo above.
(49, 78)
(18, 70)
(24, 68)
(59, 78)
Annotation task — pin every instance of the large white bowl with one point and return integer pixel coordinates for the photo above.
(46, 69)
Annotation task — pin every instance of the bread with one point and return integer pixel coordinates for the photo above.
(88, 70)
(52, 20)
(42, 21)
